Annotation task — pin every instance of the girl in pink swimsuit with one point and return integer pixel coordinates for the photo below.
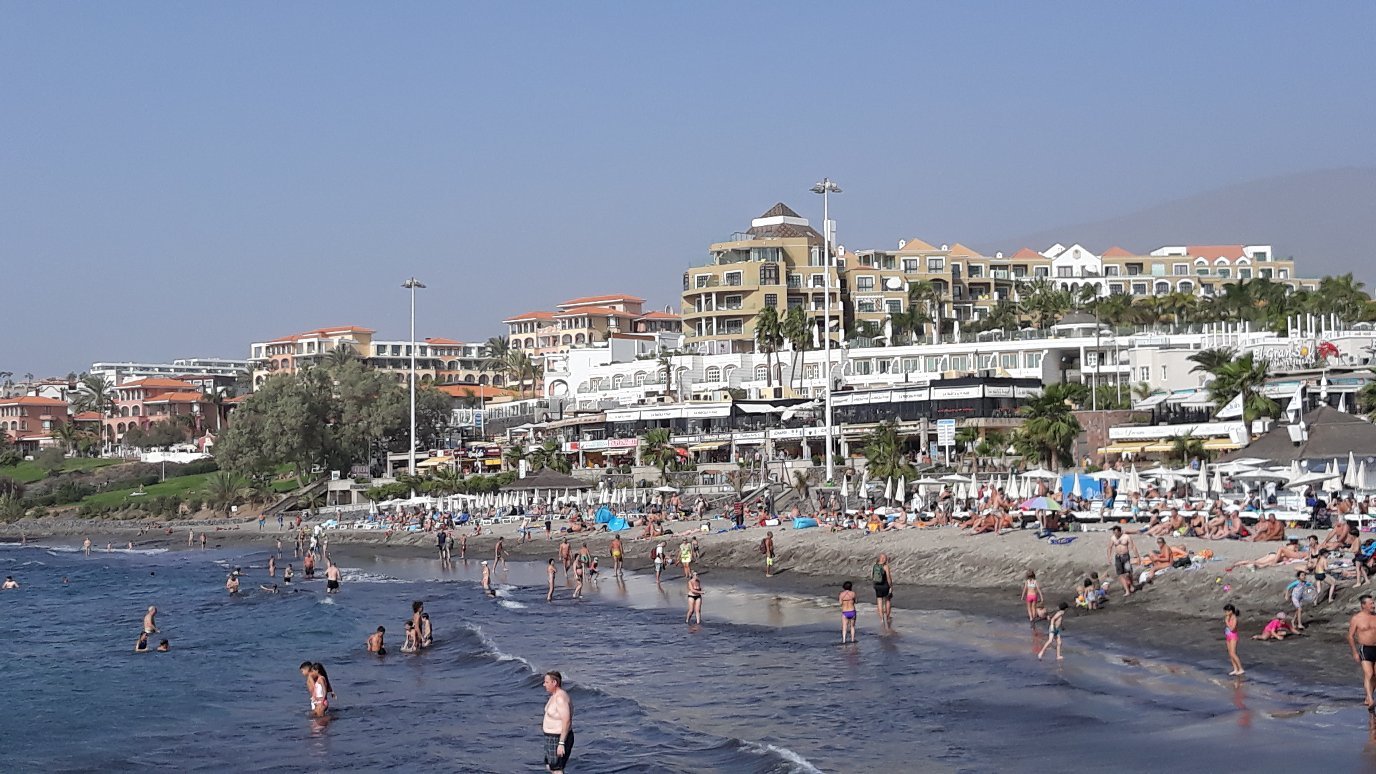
(1230, 638)
(1032, 595)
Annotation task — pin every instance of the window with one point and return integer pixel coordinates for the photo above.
(1144, 373)
(1266, 273)
(957, 291)
(1162, 288)
(893, 306)
(1040, 272)
(1008, 361)
(910, 265)
(1180, 269)
(960, 363)
(795, 281)
(731, 326)
(1091, 359)
(1134, 269)
(985, 362)
(1032, 360)
(1115, 288)
(817, 281)
(811, 371)
(686, 281)
(864, 283)
(976, 271)
(771, 299)
(1139, 288)
(862, 367)
(764, 253)
(1110, 271)
(702, 280)
(1158, 270)
(933, 364)
(866, 305)
(1224, 271)
(769, 274)
(733, 279)
(911, 365)
(1244, 273)
(1282, 273)
(936, 264)
(731, 302)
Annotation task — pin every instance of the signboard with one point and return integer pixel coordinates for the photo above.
(945, 432)
(622, 443)
(478, 419)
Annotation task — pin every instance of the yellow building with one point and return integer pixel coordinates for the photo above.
(579, 322)
(777, 262)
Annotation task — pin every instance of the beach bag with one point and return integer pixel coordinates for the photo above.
(877, 574)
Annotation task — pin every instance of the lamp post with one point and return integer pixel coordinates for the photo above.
(826, 188)
(411, 285)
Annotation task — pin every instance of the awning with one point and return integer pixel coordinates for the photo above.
(1151, 400)
(1158, 447)
(709, 446)
(619, 450)
(1221, 444)
(435, 462)
(1122, 448)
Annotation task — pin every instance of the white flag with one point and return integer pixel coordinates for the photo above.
(1233, 410)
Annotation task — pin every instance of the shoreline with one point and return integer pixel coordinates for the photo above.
(1179, 615)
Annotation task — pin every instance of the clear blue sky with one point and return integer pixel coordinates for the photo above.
(179, 179)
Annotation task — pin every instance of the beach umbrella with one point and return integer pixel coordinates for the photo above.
(1042, 473)
(888, 489)
(1040, 504)
(1361, 476)
(954, 478)
(1201, 482)
(845, 488)
(1350, 477)
(1106, 475)
(1334, 484)
(864, 484)
(901, 491)
(1077, 489)
(1218, 480)
(1060, 483)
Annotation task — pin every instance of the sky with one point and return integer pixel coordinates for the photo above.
(181, 179)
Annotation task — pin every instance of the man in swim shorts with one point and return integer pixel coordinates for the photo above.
(1121, 552)
(332, 578)
(557, 723)
(375, 642)
(1361, 635)
(847, 600)
(10, 583)
(150, 624)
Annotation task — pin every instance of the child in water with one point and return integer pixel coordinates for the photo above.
(1032, 595)
(411, 645)
(1057, 618)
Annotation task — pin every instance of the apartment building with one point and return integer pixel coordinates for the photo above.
(30, 421)
(778, 262)
(142, 402)
(206, 373)
(1202, 270)
(438, 360)
(586, 321)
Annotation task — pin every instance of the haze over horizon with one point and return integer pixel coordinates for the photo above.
(180, 181)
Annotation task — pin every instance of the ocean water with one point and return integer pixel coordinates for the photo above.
(762, 686)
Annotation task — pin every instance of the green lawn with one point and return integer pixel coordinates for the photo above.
(29, 472)
(186, 486)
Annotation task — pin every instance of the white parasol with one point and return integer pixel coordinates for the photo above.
(901, 490)
(1040, 473)
(1350, 477)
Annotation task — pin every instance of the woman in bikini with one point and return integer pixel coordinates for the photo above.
(694, 599)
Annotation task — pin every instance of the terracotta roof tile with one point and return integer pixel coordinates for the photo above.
(585, 300)
(959, 250)
(29, 400)
(321, 333)
(660, 316)
(89, 416)
(178, 397)
(780, 210)
(916, 245)
(474, 391)
(1116, 252)
(595, 310)
(444, 342)
(1026, 253)
(1215, 251)
(530, 316)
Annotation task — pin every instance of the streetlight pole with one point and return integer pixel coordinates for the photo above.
(412, 284)
(826, 188)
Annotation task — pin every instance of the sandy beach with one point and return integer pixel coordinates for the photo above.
(1179, 615)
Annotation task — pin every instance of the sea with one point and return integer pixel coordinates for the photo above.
(763, 685)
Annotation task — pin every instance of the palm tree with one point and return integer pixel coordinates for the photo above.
(1117, 310)
(69, 435)
(224, 490)
(768, 338)
(521, 367)
(924, 305)
(1243, 376)
(1043, 301)
(802, 485)
(1002, 317)
(446, 480)
(549, 455)
(1366, 399)
(656, 450)
(513, 455)
(1141, 391)
(665, 363)
(340, 356)
(496, 361)
(1185, 448)
(1210, 360)
(796, 329)
(883, 452)
(1342, 295)
(1050, 428)
(95, 393)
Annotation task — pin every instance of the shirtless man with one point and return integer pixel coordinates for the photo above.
(847, 600)
(1290, 552)
(272, 567)
(557, 724)
(1361, 635)
(1267, 529)
(499, 552)
(86, 546)
(566, 555)
(487, 579)
(375, 642)
(331, 577)
(309, 564)
(11, 583)
(150, 624)
(616, 556)
(1121, 553)
(202, 541)
(232, 583)
(550, 571)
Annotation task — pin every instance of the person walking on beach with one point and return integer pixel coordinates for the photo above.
(847, 600)
(442, 543)
(331, 577)
(1032, 596)
(694, 599)
(549, 572)
(1057, 619)
(499, 552)
(767, 548)
(616, 556)
(685, 557)
(578, 572)
(883, 589)
(1121, 552)
(1230, 638)
(86, 546)
(557, 723)
(566, 556)
(1361, 635)
(661, 560)
(202, 541)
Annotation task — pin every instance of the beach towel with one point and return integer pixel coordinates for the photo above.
(1062, 541)
(804, 523)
